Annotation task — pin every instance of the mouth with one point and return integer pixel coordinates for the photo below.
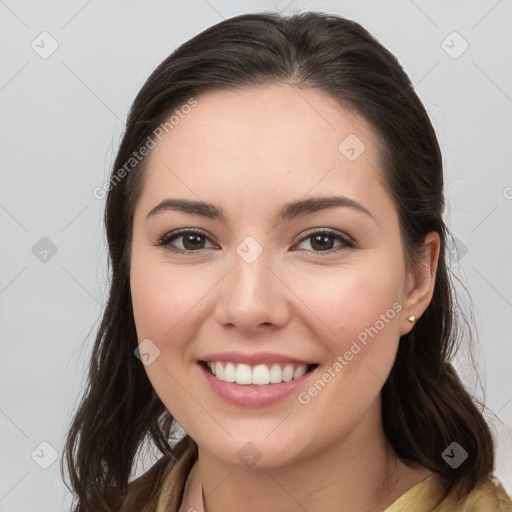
(256, 375)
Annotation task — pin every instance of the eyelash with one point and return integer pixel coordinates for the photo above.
(165, 241)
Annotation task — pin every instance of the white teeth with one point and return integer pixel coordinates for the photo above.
(300, 371)
(243, 374)
(276, 374)
(219, 371)
(230, 372)
(288, 373)
(260, 374)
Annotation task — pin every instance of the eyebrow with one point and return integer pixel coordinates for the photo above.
(288, 212)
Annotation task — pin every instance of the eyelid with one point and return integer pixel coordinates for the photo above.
(165, 240)
(181, 231)
(331, 231)
(347, 240)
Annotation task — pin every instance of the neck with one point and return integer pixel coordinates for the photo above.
(359, 472)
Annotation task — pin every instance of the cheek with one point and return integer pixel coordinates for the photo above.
(166, 307)
(162, 298)
(352, 301)
(357, 312)
(357, 320)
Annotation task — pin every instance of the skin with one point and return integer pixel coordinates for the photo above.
(250, 152)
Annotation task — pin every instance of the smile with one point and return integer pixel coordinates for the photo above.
(254, 380)
(259, 375)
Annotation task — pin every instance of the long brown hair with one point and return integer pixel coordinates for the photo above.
(424, 404)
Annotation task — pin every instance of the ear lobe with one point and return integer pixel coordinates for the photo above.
(421, 283)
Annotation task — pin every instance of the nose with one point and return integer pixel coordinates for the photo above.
(252, 297)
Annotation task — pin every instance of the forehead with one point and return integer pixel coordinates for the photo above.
(276, 139)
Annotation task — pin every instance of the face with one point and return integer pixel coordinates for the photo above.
(270, 274)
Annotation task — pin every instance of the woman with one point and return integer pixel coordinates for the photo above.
(279, 289)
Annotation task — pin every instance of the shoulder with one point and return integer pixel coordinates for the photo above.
(488, 496)
(144, 493)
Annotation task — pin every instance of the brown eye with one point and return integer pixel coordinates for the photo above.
(192, 242)
(185, 241)
(325, 241)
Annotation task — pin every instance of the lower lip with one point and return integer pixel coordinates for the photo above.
(252, 396)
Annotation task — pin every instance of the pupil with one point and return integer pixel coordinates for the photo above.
(191, 242)
(322, 242)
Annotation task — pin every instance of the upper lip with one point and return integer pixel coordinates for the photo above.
(254, 358)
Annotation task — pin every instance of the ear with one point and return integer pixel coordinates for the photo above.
(420, 283)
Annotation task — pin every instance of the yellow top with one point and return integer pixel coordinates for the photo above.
(488, 497)
(175, 496)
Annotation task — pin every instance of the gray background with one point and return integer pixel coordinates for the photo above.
(61, 121)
